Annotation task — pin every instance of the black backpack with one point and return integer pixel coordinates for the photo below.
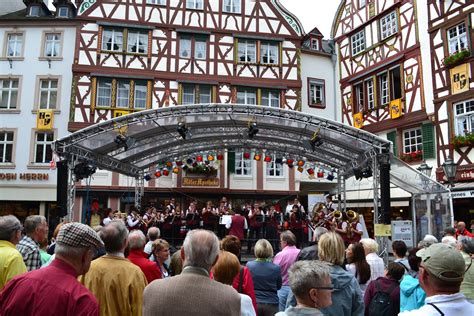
(381, 303)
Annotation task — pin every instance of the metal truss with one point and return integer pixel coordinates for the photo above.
(139, 190)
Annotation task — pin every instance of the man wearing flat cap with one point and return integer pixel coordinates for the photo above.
(441, 272)
(54, 290)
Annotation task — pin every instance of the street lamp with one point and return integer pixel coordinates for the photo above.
(426, 171)
(449, 168)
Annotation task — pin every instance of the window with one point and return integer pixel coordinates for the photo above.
(464, 117)
(123, 94)
(412, 140)
(388, 25)
(383, 89)
(194, 4)
(457, 38)
(63, 12)
(137, 42)
(395, 83)
(43, 151)
(274, 169)
(52, 45)
(6, 147)
(243, 167)
(271, 98)
(104, 93)
(140, 95)
(314, 44)
(362, 3)
(186, 44)
(269, 53)
(112, 40)
(358, 42)
(246, 96)
(316, 92)
(358, 98)
(14, 45)
(8, 93)
(247, 51)
(369, 88)
(48, 93)
(34, 10)
(231, 6)
(196, 94)
(160, 2)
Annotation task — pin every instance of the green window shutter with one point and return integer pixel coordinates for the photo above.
(427, 133)
(392, 136)
(231, 161)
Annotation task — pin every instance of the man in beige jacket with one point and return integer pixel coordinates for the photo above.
(193, 292)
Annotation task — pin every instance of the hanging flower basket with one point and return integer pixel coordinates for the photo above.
(463, 140)
(456, 58)
(202, 169)
(413, 156)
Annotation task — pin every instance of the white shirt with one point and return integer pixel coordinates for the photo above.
(246, 307)
(450, 305)
(131, 222)
(148, 250)
(376, 264)
(351, 268)
(229, 223)
(358, 226)
(107, 220)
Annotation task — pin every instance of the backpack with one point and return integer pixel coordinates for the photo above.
(381, 303)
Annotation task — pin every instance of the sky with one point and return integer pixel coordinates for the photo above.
(314, 13)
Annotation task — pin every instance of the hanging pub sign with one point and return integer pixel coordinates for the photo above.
(200, 182)
(459, 78)
(358, 120)
(396, 110)
(44, 120)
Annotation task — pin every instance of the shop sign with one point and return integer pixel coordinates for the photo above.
(464, 173)
(459, 79)
(44, 120)
(403, 230)
(200, 182)
(24, 176)
(462, 194)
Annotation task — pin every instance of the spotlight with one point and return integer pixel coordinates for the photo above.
(210, 157)
(166, 172)
(300, 163)
(199, 158)
(310, 171)
(257, 157)
(290, 161)
(268, 158)
(220, 157)
(84, 170)
(189, 161)
(320, 174)
(330, 176)
(169, 164)
(182, 130)
(362, 172)
(367, 172)
(300, 169)
(279, 161)
(253, 130)
(175, 170)
(147, 177)
(179, 163)
(316, 140)
(357, 173)
(158, 173)
(124, 141)
(246, 155)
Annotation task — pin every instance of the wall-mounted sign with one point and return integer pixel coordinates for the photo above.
(44, 120)
(25, 176)
(358, 120)
(403, 230)
(462, 194)
(459, 78)
(464, 173)
(396, 109)
(200, 182)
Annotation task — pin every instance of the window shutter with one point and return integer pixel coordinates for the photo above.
(392, 136)
(428, 141)
(231, 161)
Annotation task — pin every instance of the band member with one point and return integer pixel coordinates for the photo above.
(148, 218)
(256, 224)
(237, 225)
(171, 205)
(109, 217)
(352, 227)
(210, 216)
(191, 217)
(329, 203)
(297, 203)
(273, 225)
(176, 224)
(340, 226)
(296, 224)
(224, 209)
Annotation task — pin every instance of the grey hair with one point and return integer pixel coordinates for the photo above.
(32, 222)
(450, 241)
(136, 239)
(201, 248)
(70, 252)
(467, 244)
(114, 235)
(370, 245)
(318, 232)
(306, 275)
(9, 224)
(153, 233)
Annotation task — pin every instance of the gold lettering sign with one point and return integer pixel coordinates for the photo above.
(459, 79)
(25, 176)
(200, 182)
(44, 120)
(396, 109)
(358, 120)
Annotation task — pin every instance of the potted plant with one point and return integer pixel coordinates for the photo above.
(202, 169)
(412, 156)
(463, 140)
(456, 58)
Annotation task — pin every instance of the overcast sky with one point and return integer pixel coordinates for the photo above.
(314, 13)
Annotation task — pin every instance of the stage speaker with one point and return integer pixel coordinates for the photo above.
(61, 188)
(385, 192)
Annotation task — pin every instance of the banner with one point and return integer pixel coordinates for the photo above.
(396, 109)
(44, 120)
(459, 78)
(358, 120)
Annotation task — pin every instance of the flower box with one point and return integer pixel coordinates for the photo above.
(456, 58)
(413, 156)
(463, 140)
(202, 169)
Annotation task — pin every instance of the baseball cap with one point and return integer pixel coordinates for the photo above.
(441, 259)
(78, 235)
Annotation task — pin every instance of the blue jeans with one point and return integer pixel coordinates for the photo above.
(282, 296)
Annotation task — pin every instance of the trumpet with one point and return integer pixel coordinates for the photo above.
(352, 216)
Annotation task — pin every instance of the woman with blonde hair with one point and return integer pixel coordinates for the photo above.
(161, 252)
(346, 297)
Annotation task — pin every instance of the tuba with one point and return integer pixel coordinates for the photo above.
(337, 215)
(352, 217)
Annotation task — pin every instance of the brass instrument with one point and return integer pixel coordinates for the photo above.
(352, 217)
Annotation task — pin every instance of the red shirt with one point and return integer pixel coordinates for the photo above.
(247, 285)
(53, 290)
(464, 233)
(148, 267)
(237, 226)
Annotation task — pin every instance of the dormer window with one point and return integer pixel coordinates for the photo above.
(34, 10)
(63, 12)
(314, 44)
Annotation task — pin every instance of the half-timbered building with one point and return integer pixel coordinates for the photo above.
(147, 54)
(451, 32)
(381, 79)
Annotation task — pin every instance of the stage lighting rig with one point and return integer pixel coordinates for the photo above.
(84, 170)
(316, 140)
(183, 130)
(252, 130)
(124, 141)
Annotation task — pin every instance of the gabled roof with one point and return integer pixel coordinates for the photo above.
(315, 32)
